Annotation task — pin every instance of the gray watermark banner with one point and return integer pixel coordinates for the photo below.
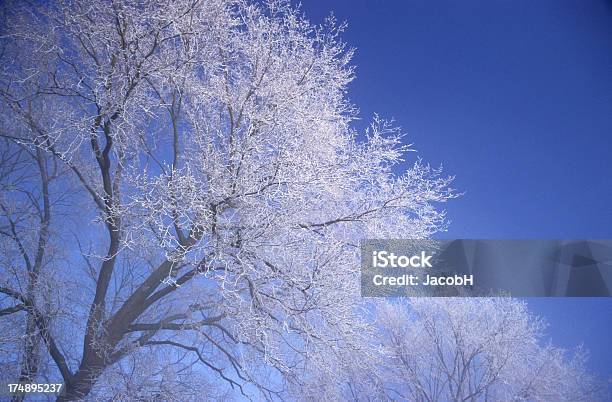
(465, 267)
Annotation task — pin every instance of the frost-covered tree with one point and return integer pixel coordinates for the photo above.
(182, 199)
(206, 230)
(485, 349)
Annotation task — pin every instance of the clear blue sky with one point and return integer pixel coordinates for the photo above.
(515, 99)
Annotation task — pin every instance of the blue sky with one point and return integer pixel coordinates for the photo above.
(515, 99)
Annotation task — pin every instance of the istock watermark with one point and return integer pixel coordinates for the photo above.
(384, 259)
(466, 267)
